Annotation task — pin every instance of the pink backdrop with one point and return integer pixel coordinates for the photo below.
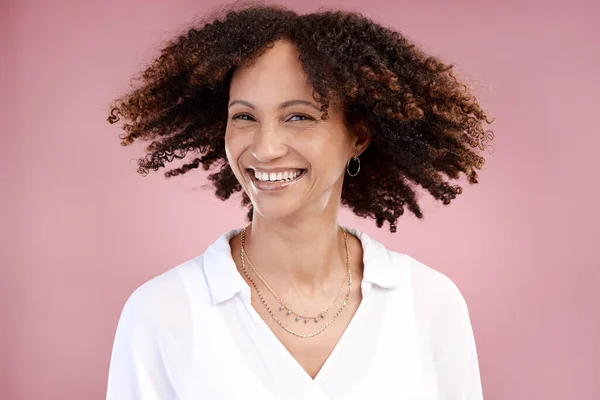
(81, 230)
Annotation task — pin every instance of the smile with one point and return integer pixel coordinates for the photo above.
(274, 180)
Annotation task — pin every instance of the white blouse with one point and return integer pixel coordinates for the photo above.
(192, 333)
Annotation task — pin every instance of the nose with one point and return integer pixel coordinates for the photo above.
(268, 144)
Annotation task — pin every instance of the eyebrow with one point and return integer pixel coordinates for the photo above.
(283, 105)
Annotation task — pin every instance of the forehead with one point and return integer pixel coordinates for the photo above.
(273, 77)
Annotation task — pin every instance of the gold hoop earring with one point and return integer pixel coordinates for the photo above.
(355, 158)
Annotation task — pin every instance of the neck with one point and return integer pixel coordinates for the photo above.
(305, 252)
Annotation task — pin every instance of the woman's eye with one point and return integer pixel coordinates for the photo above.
(242, 117)
(304, 117)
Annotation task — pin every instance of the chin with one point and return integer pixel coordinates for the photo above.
(274, 210)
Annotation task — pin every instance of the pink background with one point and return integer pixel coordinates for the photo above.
(81, 230)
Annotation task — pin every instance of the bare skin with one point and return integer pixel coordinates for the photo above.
(311, 353)
(294, 240)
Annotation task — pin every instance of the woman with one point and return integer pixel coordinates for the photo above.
(293, 306)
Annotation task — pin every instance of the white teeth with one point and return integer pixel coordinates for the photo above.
(276, 176)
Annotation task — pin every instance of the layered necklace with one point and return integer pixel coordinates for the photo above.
(284, 308)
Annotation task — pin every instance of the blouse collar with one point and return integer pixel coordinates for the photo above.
(224, 280)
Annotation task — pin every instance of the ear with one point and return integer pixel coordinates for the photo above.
(362, 136)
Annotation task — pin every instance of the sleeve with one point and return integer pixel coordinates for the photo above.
(456, 357)
(137, 370)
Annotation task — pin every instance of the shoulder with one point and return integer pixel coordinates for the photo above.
(168, 295)
(389, 268)
(190, 286)
(425, 279)
(437, 300)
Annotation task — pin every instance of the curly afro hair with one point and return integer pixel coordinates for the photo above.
(422, 121)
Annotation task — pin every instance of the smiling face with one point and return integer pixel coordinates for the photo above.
(287, 159)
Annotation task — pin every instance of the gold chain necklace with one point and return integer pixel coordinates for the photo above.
(283, 307)
(333, 318)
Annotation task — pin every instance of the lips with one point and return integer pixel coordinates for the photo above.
(272, 176)
(275, 179)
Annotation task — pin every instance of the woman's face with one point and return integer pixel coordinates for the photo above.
(287, 159)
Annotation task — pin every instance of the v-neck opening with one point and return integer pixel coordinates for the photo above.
(246, 296)
(287, 354)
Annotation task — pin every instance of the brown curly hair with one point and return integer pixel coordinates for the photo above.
(421, 120)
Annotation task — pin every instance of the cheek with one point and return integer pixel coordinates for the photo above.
(233, 149)
(329, 160)
(336, 149)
